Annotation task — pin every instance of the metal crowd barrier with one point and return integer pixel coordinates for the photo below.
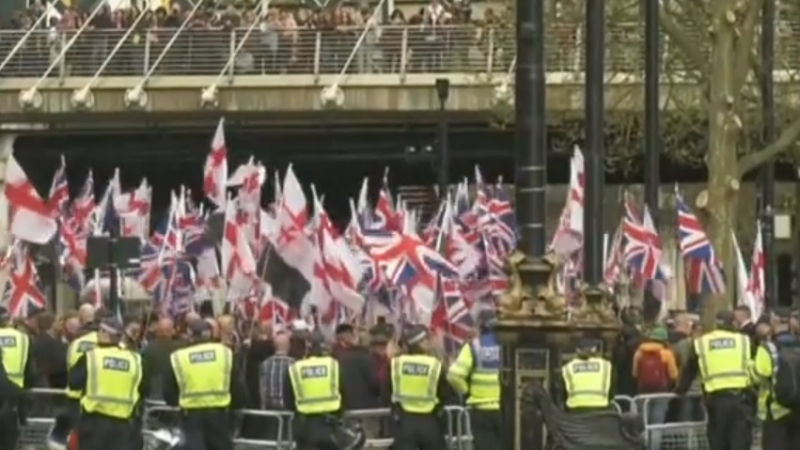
(688, 432)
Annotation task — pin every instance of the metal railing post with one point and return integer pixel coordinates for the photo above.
(404, 55)
(83, 97)
(317, 54)
(490, 54)
(208, 96)
(332, 96)
(25, 37)
(31, 98)
(136, 96)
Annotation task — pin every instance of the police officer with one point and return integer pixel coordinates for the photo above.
(780, 427)
(112, 381)
(588, 379)
(75, 351)
(722, 359)
(418, 390)
(312, 391)
(17, 374)
(206, 384)
(476, 372)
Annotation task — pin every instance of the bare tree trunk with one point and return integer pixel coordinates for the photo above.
(722, 162)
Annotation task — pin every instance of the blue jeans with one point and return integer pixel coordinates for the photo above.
(656, 415)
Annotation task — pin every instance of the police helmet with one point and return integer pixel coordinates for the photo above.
(414, 335)
(317, 344)
(349, 435)
(725, 319)
(113, 327)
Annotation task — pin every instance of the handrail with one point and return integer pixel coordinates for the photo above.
(136, 92)
(25, 37)
(81, 96)
(209, 95)
(369, 25)
(60, 57)
(116, 48)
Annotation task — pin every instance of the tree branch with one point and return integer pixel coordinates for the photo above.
(678, 36)
(751, 161)
(745, 42)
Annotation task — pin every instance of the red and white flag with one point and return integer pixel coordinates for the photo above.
(215, 172)
(755, 285)
(238, 263)
(30, 217)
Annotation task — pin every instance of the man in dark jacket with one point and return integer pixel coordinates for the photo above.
(362, 389)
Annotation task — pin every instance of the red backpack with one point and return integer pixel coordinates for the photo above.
(652, 376)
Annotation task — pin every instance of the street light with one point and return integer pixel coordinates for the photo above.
(443, 92)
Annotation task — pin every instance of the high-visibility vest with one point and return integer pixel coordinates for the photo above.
(113, 376)
(203, 372)
(588, 382)
(476, 370)
(14, 345)
(724, 360)
(315, 382)
(415, 381)
(75, 350)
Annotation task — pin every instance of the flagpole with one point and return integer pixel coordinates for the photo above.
(595, 145)
(652, 110)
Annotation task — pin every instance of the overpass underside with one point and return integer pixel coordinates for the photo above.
(139, 77)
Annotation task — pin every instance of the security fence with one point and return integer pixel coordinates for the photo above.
(684, 428)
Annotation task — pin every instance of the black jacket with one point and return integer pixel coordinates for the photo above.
(361, 388)
(238, 389)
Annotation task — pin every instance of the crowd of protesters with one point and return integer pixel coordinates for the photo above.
(439, 37)
(648, 359)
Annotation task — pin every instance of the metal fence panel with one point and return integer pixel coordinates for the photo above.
(680, 435)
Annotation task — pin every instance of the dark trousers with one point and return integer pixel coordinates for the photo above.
(485, 428)
(207, 429)
(98, 432)
(730, 422)
(781, 434)
(9, 428)
(418, 432)
(314, 432)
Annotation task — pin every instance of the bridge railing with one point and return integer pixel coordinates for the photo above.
(386, 49)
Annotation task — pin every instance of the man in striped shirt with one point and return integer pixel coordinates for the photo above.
(273, 373)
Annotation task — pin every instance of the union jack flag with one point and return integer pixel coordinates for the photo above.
(703, 269)
(59, 191)
(23, 291)
(452, 316)
(642, 246)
